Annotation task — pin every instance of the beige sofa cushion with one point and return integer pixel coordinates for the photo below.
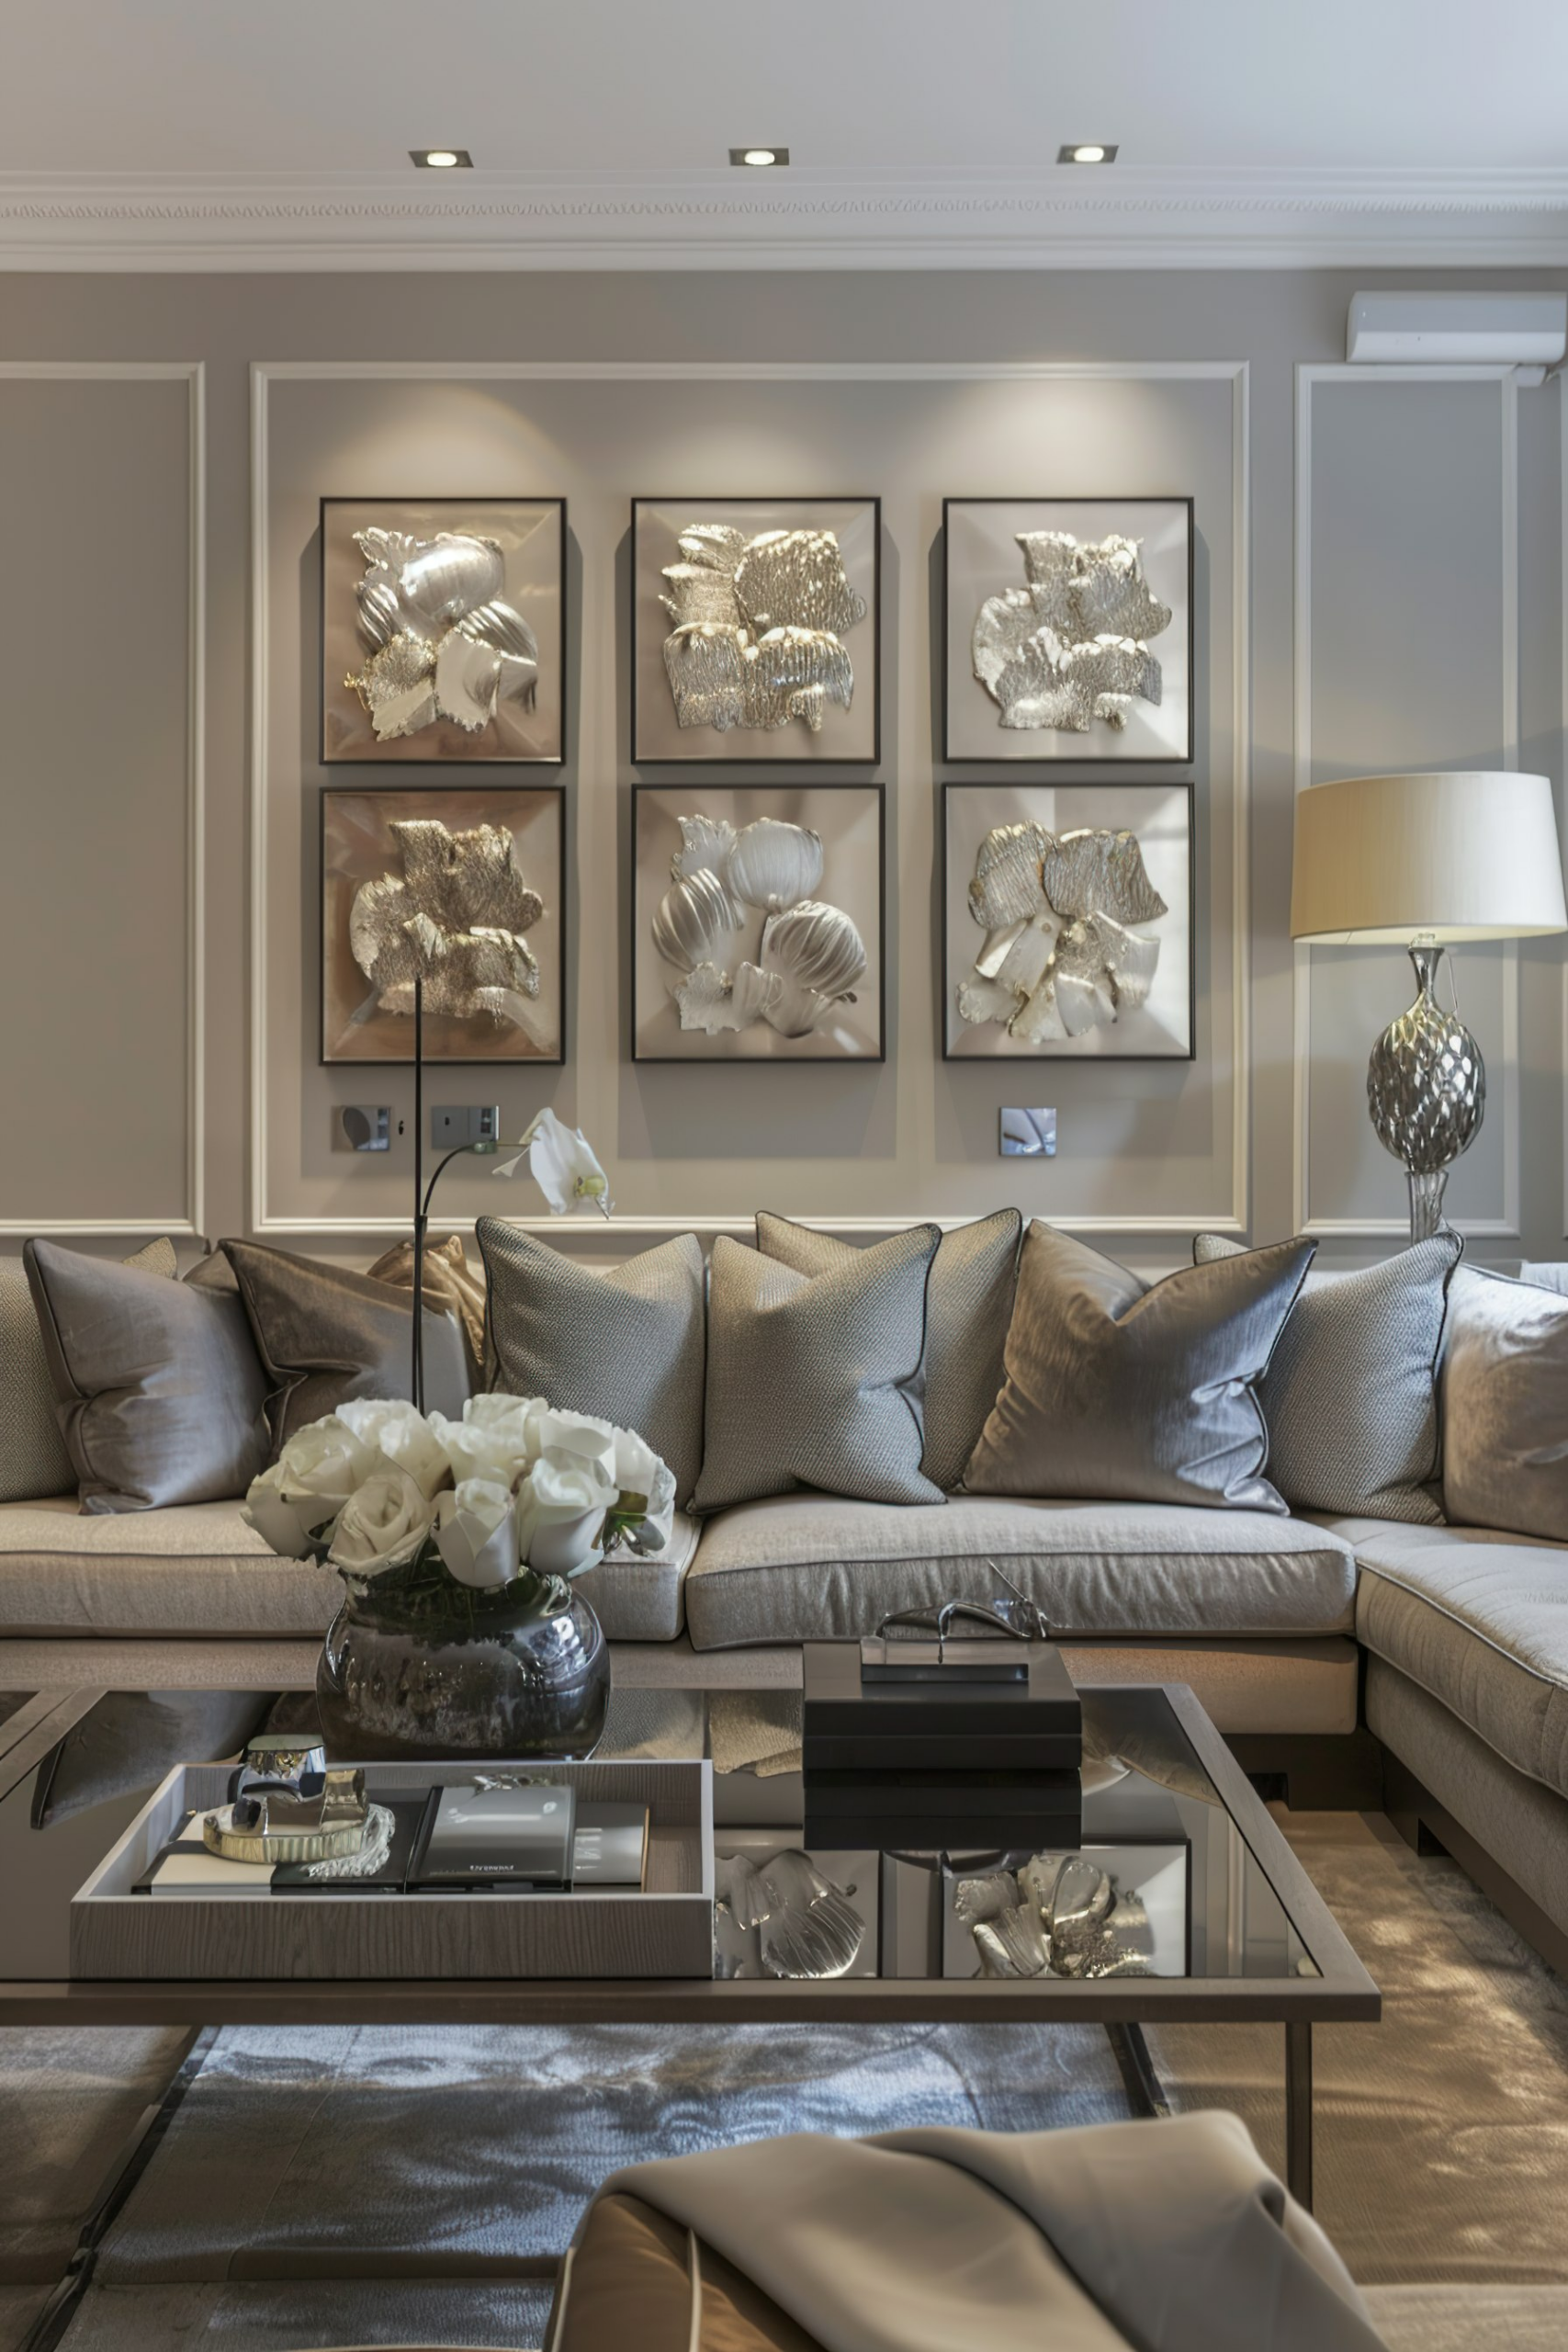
(799, 1566)
(199, 1572)
(1479, 1619)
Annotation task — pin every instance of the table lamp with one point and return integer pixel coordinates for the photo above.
(1420, 861)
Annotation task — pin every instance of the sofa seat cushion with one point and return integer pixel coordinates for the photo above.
(196, 1572)
(1478, 1617)
(799, 1568)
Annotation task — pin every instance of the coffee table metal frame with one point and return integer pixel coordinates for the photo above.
(1342, 1993)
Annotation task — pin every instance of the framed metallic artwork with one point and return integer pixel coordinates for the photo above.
(461, 886)
(1067, 915)
(756, 922)
(755, 629)
(443, 635)
(1067, 629)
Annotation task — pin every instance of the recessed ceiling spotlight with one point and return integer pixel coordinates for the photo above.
(1086, 152)
(759, 158)
(441, 159)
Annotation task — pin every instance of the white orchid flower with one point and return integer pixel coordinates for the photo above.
(562, 1164)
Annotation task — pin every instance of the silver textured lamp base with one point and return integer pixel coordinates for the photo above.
(1427, 1093)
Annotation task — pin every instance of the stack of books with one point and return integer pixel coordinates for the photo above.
(926, 1747)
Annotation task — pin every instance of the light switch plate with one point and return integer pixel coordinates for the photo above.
(1028, 1134)
(453, 1125)
(364, 1126)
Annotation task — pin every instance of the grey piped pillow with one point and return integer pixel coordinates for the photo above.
(629, 1345)
(1127, 1392)
(809, 1375)
(160, 1393)
(1350, 1396)
(1505, 1406)
(968, 1308)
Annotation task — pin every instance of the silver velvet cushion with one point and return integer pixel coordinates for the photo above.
(161, 1394)
(809, 1375)
(1350, 1394)
(968, 1306)
(1125, 1392)
(629, 1345)
(1505, 1406)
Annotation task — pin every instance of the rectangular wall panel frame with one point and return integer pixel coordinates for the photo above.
(1506, 1224)
(184, 1218)
(267, 1222)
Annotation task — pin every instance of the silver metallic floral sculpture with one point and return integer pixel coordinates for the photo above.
(805, 1925)
(443, 644)
(454, 919)
(758, 627)
(809, 955)
(1060, 1916)
(1072, 645)
(1061, 956)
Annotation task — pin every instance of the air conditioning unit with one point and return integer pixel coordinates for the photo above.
(1412, 329)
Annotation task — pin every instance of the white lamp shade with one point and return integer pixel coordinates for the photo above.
(1378, 858)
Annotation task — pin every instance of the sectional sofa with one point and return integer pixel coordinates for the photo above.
(1362, 1660)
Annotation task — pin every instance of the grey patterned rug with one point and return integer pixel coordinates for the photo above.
(337, 2187)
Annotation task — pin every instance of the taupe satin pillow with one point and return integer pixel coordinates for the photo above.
(1125, 1392)
(968, 1308)
(324, 1335)
(1505, 1406)
(161, 1395)
(808, 1376)
(629, 1345)
(1350, 1397)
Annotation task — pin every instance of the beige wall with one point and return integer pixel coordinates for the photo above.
(1379, 582)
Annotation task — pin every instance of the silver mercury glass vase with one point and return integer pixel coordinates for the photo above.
(1427, 1093)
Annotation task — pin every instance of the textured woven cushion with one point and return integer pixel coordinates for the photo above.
(968, 1306)
(1117, 1390)
(161, 1395)
(629, 1345)
(809, 1375)
(804, 1567)
(1506, 1407)
(1350, 1394)
(325, 1335)
(33, 1460)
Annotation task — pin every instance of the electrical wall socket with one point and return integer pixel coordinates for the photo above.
(364, 1127)
(453, 1125)
(1028, 1134)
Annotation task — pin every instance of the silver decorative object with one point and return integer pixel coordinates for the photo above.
(758, 625)
(805, 958)
(1072, 645)
(1028, 1134)
(1059, 1916)
(1427, 1091)
(454, 919)
(1060, 956)
(806, 1926)
(443, 644)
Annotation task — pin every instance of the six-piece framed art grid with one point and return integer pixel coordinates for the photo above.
(758, 910)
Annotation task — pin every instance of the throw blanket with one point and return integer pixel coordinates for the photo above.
(1169, 2236)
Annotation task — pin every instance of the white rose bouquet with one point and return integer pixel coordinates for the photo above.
(514, 1488)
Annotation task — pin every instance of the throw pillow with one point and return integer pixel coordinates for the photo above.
(1506, 1407)
(1127, 1392)
(324, 1335)
(968, 1308)
(629, 1345)
(161, 1398)
(1546, 1273)
(449, 1281)
(1350, 1396)
(809, 1375)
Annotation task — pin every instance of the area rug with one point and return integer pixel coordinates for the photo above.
(440, 2165)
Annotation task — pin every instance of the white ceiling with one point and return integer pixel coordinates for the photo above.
(153, 132)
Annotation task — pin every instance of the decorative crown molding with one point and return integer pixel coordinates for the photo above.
(1191, 218)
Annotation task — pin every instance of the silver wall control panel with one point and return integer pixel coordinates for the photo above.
(453, 1125)
(1028, 1134)
(364, 1126)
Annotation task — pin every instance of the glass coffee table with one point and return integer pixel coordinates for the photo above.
(1181, 1902)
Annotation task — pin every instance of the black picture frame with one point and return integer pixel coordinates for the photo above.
(445, 802)
(793, 751)
(1073, 752)
(408, 751)
(1090, 785)
(643, 959)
